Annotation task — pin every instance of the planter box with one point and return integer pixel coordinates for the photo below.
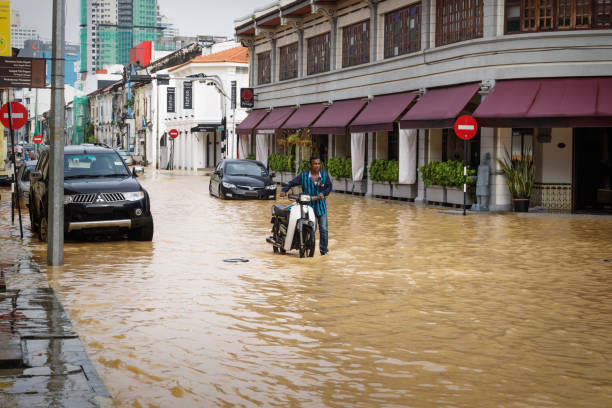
(286, 176)
(455, 196)
(381, 189)
(341, 185)
(278, 177)
(408, 191)
(358, 187)
(436, 194)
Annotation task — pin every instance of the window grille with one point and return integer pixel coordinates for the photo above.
(403, 31)
(356, 44)
(288, 62)
(264, 68)
(318, 54)
(458, 20)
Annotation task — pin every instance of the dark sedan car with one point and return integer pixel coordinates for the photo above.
(234, 178)
(100, 194)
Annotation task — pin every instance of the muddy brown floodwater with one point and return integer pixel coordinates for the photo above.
(411, 308)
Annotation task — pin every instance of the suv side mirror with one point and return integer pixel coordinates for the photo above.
(35, 176)
(137, 170)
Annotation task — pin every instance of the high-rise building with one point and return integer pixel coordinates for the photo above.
(110, 28)
(20, 34)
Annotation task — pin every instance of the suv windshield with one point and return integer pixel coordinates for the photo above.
(94, 165)
(245, 169)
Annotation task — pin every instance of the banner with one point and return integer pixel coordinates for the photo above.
(187, 95)
(357, 155)
(407, 156)
(170, 101)
(5, 28)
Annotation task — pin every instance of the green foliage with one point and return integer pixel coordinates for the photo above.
(89, 133)
(447, 174)
(519, 172)
(340, 168)
(386, 171)
(251, 156)
(304, 165)
(280, 162)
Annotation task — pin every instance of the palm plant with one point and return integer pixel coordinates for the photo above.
(519, 172)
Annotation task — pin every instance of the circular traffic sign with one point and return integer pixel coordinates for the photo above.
(19, 115)
(246, 94)
(37, 139)
(466, 127)
(173, 133)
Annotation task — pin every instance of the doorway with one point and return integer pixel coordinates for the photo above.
(593, 169)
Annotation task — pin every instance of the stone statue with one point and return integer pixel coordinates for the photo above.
(482, 185)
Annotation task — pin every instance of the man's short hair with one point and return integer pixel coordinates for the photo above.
(314, 158)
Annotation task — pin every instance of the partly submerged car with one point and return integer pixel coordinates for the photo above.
(240, 178)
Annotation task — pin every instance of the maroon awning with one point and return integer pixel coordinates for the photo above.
(275, 118)
(439, 107)
(304, 116)
(551, 102)
(382, 112)
(250, 122)
(337, 117)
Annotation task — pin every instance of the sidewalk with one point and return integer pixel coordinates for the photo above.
(42, 360)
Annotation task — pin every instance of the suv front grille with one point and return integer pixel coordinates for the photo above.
(92, 198)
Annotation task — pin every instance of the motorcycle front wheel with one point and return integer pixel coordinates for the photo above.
(308, 238)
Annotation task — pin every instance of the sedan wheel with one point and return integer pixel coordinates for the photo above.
(220, 193)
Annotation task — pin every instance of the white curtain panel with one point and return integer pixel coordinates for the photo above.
(407, 156)
(357, 155)
(261, 148)
(244, 146)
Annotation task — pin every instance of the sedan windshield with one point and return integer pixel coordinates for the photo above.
(93, 165)
(245, 169)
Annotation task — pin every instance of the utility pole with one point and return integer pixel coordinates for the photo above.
(55, 245)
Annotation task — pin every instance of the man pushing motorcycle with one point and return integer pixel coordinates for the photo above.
(316, 183)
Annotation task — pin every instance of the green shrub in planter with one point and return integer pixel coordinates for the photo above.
(251, 156)
(447, 174)
(340, 168)
(280, 162)
(384, 171)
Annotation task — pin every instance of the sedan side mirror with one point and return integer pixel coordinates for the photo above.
(35, 176)
(272, 175)
(137, 170)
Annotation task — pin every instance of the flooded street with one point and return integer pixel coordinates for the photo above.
(410, 308)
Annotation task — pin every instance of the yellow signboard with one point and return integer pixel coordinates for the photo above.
(5, 28)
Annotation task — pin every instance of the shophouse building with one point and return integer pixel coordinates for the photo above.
(386, 79)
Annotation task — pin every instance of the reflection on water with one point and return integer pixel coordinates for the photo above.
(411, 308)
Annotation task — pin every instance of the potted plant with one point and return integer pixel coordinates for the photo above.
(519, 172)
(383, 173)
(444, 182)
(341, 171)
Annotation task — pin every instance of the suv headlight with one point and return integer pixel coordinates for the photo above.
(68, 199)
(271, 187)
(228, 185)
(134, 196)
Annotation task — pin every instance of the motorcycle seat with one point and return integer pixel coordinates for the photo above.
(281, 210)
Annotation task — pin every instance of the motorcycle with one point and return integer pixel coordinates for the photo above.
(293, 227)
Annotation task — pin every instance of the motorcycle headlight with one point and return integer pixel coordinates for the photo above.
(228, 185)
(271, 187)
(134, 195)
(68, 199)
(305, 198)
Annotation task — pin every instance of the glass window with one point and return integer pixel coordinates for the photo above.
(458, 20)
(245, 169)
(553, 15)
(403, 31)
(522, 143)
(356, 44)
(93, 165)
(288, 62)
(318, 59)
(264, 68)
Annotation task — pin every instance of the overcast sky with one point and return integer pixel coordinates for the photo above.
(192, 17)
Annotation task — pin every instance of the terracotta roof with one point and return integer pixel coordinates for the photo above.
(237, 54)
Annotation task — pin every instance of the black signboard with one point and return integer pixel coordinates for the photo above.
(233, 95)
(187, 95)
(22, 72)
(205, 127)
(171, 99)
(163, 79)
(247, 98)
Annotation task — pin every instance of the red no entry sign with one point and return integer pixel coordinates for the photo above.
(37, 139)
(466, 127)
(19, 115)
(173, 133)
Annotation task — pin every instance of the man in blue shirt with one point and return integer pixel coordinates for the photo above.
(316, 183)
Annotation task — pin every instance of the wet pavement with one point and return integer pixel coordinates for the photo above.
(411, 308)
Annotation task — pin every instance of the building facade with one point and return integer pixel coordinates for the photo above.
(391, 76)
